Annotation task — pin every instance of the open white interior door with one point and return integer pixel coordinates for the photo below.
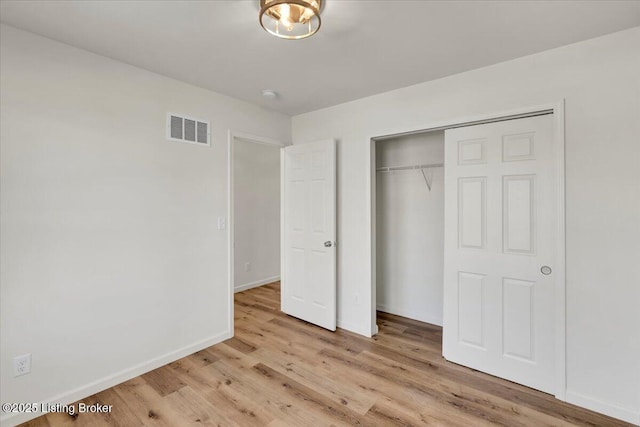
(500, 229)
(308, 282)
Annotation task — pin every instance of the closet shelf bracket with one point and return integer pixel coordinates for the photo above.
(421, 168)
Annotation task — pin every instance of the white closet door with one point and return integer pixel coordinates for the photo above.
(308, 285)
(500, 230)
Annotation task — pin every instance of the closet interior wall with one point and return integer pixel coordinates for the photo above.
(410, 227)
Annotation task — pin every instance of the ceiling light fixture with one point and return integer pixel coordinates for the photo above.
(290, 19)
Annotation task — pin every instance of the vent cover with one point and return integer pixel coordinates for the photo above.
(181, 128)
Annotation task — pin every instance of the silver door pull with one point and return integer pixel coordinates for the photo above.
(546, 270)
(328, 244)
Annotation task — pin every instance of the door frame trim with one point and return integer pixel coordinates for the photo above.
(558, 111)
(231, 137)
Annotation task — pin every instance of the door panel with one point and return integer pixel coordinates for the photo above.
(518, 220)
(500, 225)
(471, 309)
(308, 285)
(518, 306)
(472, 212)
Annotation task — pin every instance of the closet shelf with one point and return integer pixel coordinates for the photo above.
(410, 167)
(421, 168)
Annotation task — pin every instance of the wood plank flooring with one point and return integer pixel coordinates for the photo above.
(280, 371)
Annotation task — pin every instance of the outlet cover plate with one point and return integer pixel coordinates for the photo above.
(22, 365)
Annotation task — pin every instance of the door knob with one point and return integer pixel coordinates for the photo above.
(546, 270)
(328, 244)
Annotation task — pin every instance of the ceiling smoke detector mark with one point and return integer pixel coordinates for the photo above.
(270, 94)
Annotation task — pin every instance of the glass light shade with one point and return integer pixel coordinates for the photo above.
(290, 19)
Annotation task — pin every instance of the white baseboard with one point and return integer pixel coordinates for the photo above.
(603, 407)
(422, 317)
(68, 397)
(255, 284)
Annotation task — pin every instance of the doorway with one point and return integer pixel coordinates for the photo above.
(504, 194)
(254, 213)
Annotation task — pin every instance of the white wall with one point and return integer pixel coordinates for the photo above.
(410, 228)
(111, 260)
(600, 80)
(256, 211)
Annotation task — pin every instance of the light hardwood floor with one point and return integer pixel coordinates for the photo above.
(280, 371)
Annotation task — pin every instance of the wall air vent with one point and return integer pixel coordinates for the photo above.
(181, 128)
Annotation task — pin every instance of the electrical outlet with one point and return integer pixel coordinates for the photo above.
(247, 266)
(21, 365)
(222, 223)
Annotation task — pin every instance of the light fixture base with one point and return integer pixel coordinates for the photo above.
(290, 19)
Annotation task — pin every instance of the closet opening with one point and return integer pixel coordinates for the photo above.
(477, 245)
(409, 202)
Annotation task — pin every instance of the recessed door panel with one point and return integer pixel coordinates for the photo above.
(472, 213)
(295, 273)
(518, 318)
(472, 152)
(319, 294)
(297, 211)
(470, 309)
(518, 214)
(518, 147)
(318, 188)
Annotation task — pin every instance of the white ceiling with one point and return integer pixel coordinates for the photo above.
(363, 47)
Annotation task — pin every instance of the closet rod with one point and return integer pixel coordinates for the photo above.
(411, 167)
